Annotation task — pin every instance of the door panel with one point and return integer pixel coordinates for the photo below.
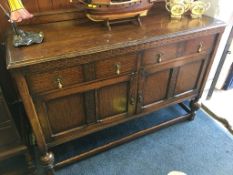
(188, 77)
(158, 85)
(113, 100)
(63, 115)
(66, 113)
(155, 87)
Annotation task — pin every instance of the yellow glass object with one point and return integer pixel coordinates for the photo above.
(91, 5)
(15, 5)
(198, 8)
(176, 9)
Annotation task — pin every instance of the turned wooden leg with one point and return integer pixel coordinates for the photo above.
(31, 168)
(47, 161)
(194, 106)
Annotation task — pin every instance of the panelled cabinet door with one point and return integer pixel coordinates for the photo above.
(160, 83)
(117, 100)
(153, 87)
(73, 109)
(59, 113)
(189, 78)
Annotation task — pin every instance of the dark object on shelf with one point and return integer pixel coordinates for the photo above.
(22, 38)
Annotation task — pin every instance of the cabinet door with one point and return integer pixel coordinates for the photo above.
(153, 87)
(71, 111)
(189, 77)
(118, 99)
(166, 83)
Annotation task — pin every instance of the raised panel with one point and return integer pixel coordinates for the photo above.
(45, 5)
(31, 5)
(155, 87)
(113, 100)
(66, 113)
(61, 4)
(188, 77)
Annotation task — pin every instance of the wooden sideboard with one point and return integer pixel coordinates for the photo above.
(84, 78)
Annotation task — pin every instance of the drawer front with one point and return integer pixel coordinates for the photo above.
(160, 54)
(45, 81)
(199, 45)
(172, 51)
(116, 66)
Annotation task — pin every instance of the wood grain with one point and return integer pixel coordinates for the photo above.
(97, 94)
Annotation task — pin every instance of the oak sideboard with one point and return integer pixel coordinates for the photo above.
(84, 78)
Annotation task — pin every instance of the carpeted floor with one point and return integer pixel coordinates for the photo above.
(200, 147)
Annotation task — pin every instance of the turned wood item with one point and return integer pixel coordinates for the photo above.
(83, 78)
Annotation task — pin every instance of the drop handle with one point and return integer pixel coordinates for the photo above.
(59, 83)
(132, 100)
(140, 99)
(158, 57)
(118, 68)
(200, 47)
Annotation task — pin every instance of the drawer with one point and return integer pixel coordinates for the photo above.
(199, 44)
(160, 54)
(116, 66)
(57, 79)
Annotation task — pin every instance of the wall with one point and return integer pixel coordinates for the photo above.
(220, 9)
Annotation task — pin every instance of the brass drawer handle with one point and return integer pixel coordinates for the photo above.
(200, 48)
(59, 83)
(132, 100)
(158, 57)
(118, 68)
(140, 97)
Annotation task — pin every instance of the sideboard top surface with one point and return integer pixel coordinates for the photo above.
(70, 39)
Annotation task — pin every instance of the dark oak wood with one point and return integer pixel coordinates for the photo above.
(10, 143)
(83, 78)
